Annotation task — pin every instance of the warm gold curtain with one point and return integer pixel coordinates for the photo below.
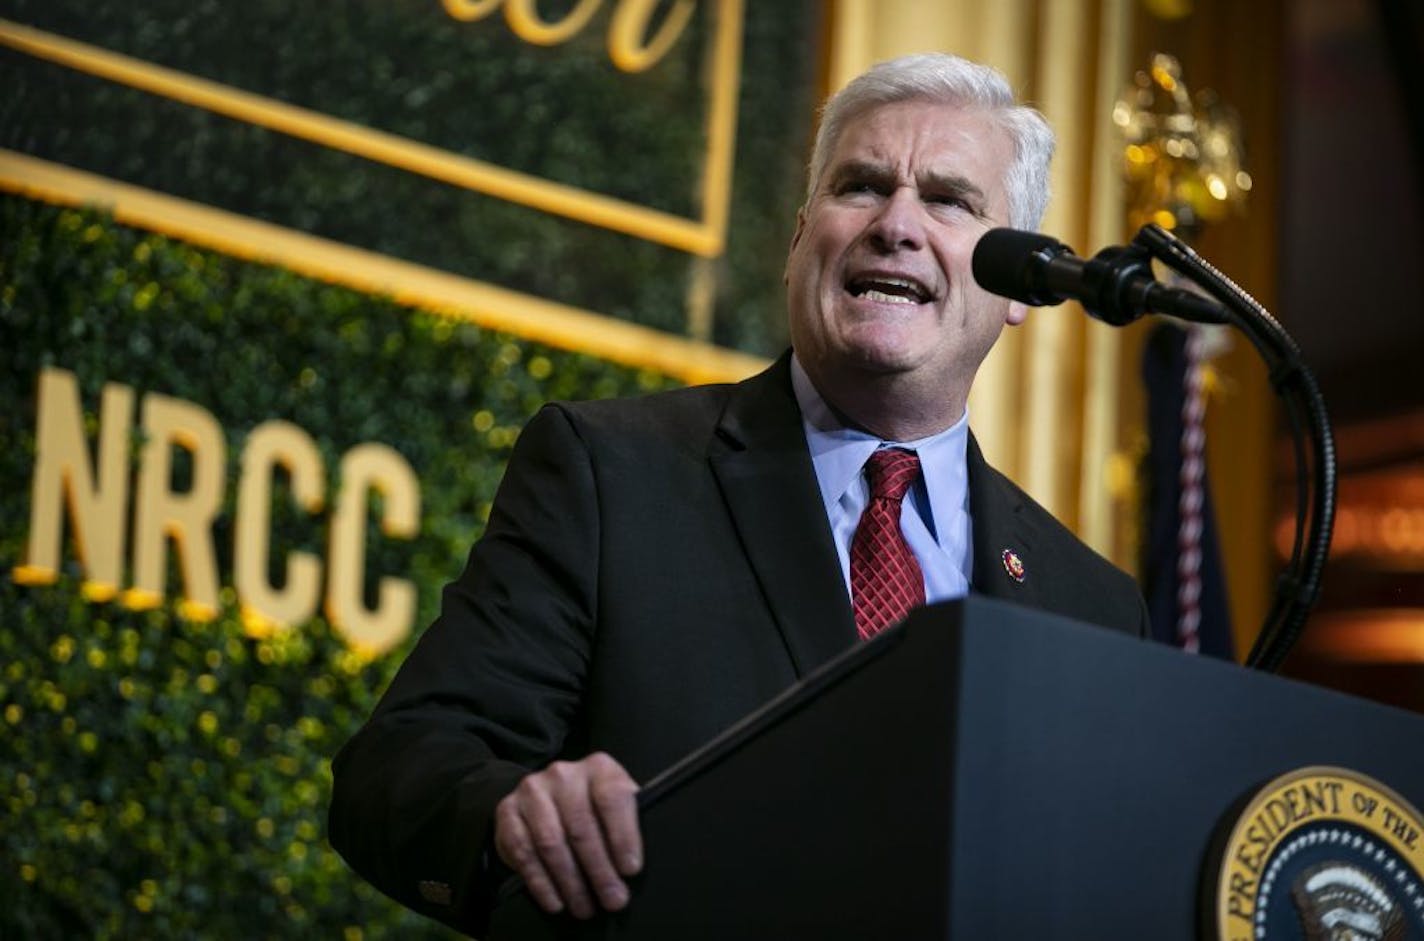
(1045, 405)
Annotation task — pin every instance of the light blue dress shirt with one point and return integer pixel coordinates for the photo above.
(935, 514)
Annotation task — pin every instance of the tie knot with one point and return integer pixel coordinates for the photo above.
(891, 472)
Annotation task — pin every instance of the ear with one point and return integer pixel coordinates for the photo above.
(795, 240)
(1018, 313)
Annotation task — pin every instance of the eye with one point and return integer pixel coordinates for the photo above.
(953, 200)
(852, 187)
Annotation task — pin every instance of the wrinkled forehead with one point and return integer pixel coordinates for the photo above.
(926, 129)
(919, 138)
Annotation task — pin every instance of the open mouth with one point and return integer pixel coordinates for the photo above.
(889, 290)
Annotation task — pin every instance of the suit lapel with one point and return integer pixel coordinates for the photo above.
(1000, 527)
(765, 473)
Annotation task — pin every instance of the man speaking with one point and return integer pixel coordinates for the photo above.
(654, 569)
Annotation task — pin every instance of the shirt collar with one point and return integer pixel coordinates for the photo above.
(839, 453)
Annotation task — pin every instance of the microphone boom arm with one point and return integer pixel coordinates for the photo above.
(1298, 585)
(1117, 286)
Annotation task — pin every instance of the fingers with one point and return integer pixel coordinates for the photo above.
(614, 794)
(585, 836)
(515, 846)
(537, 845)
(571, 831)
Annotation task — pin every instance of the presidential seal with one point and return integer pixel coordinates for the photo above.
(1319, 853)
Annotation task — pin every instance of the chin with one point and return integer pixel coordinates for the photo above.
(879, 359)
(882, 350)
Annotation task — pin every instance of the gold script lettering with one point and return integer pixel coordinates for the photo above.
(523, 18)
(627, 35)
(470, 10)
(629, 46)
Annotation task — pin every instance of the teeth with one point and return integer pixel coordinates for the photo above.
(900, 283)
(887, 289)
(884, 298)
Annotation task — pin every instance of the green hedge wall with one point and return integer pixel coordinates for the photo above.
(161, 778)
(561, 113)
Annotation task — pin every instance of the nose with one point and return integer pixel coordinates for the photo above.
(900, 223)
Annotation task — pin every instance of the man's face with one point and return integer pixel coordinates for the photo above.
(878, 277)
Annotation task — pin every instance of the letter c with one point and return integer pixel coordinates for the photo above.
(366, 468)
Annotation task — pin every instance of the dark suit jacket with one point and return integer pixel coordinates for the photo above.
(653, 570)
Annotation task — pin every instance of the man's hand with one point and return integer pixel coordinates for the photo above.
(570, 828)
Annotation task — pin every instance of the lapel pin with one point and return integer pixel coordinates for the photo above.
(1013, 565)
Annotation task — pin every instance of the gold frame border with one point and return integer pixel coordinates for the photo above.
(410, 284)
(705, 237)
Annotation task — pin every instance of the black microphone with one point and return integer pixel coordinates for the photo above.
(1116, 285)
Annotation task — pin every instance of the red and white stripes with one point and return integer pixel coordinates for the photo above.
(1189, 506)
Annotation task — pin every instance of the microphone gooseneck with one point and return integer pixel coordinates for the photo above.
(1117, 286)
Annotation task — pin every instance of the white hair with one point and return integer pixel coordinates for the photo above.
(941, 78)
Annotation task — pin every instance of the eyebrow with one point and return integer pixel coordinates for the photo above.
(939, 183)
(953, 183)
(860, 170)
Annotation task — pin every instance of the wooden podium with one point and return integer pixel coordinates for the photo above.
(980, 771)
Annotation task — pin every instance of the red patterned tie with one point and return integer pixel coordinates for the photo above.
(885, 579)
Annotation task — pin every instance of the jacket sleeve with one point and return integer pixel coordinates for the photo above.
(488, 694)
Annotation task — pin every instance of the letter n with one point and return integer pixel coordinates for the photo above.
(96, 496)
